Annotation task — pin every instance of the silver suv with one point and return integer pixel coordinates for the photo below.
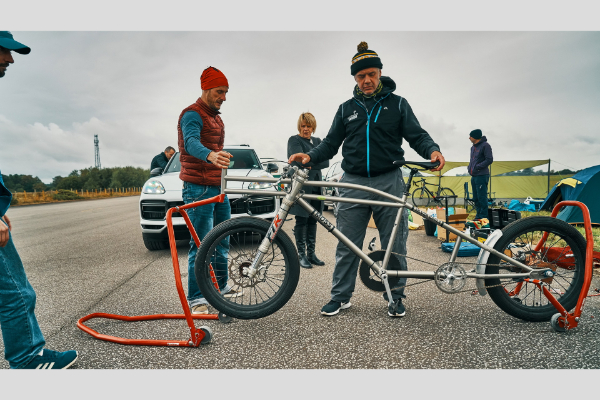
(163, 191)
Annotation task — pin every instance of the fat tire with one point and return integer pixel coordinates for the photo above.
(522, 309)
(234, 309)
(420, 194)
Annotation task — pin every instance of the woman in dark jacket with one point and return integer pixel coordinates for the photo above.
(305, 230)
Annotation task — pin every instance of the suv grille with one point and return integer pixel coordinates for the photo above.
(256, 205)
(157, 209)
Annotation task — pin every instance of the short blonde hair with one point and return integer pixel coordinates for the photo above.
(308, 119)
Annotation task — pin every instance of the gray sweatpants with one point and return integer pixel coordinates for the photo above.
(352, 221)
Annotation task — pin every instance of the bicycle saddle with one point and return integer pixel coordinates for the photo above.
(423, 164)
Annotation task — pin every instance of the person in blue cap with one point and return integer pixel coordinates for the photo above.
(23, 340)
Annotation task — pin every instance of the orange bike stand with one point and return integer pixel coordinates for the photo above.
(198, 336)
(563, 320)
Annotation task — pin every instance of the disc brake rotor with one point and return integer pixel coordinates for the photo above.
(237, 272)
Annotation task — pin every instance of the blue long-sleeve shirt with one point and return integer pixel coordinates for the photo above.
(191, 125)
(5, 197)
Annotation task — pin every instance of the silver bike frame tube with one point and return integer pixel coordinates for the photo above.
(396, 202)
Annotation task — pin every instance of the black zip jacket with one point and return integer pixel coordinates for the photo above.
(372, 131)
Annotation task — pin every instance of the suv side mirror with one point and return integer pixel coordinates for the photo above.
(272, 167)
(156, 172)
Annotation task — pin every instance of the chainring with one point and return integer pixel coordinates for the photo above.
(370, 279)
(450, 277)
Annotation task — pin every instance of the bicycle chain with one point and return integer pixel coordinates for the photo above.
(427, 281)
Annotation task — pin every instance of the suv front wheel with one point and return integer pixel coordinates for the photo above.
(152, 243)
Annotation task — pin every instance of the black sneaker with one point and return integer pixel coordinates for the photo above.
(51, 359)
(397, 309)
(334, 307)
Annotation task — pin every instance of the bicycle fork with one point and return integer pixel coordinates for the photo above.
(286, 204)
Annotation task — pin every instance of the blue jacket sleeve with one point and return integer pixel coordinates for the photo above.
(191, 125)
(5, 198)
(488, 158)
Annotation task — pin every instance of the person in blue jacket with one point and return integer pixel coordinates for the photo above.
(370, 127)
(481, 159)
(23, 340)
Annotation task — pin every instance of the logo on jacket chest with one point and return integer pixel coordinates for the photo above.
(353, 116)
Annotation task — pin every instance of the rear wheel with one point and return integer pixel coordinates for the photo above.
(420, 197)
(563, 252)
(229, 249)
(448, 192)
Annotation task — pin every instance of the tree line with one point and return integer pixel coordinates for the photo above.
(531, 172)
(91, 178)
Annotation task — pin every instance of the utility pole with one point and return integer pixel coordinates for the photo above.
(97, 152)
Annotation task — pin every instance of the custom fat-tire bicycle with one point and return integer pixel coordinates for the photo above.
(423, 197)
(531, 268)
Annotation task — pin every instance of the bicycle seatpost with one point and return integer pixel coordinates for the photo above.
(413, 171)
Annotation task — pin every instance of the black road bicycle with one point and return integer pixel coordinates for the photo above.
(423, 197)
(524, 267)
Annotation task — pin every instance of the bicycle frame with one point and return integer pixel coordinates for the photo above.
(300, 179)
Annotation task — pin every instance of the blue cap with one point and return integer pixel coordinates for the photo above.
(7, 41)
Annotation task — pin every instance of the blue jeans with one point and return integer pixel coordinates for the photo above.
(204, 218)
(22, 336)
(480, 197)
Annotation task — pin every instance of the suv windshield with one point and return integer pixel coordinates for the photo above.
(242, 159)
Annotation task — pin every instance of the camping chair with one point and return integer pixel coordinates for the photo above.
(469, 203)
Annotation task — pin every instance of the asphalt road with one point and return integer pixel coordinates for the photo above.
(87, 257)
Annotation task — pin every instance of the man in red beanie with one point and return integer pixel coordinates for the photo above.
(201, 134)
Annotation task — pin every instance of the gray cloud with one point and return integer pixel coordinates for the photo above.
(534, 94)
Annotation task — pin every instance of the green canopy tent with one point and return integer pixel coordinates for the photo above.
(536, 186)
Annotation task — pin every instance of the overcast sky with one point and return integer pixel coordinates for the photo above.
(534, 94)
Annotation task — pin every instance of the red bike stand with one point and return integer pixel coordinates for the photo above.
(563, 320)
(197, 335)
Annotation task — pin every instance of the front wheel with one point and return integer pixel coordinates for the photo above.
(563, 252)
(228, 249)
(420, 197)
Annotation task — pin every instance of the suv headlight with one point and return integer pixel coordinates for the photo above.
(259, 185)
(153, 187)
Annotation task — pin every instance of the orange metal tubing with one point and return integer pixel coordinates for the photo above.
(196, 335)
(570, 320)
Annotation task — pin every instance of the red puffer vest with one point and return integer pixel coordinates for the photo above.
(212, 137)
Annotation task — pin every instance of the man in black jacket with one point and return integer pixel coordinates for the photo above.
(161, 160)
(371, 126)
